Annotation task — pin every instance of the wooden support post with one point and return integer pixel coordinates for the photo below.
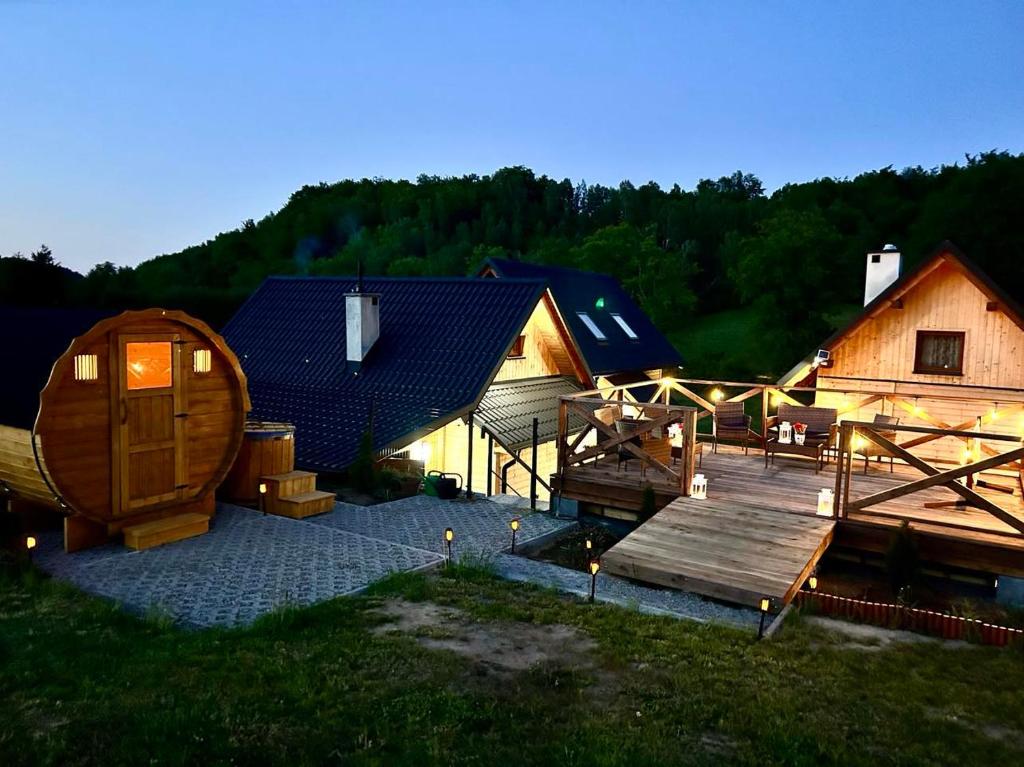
(533, 466)
(844, 436)
(764, 418)
(490, 464)
(848, 478)
(689, 443)
(469, 461)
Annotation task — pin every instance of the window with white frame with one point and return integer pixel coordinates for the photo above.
(592, 326)
(625, 326)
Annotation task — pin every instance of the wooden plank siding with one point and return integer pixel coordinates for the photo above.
(544, 354)
(879, 356)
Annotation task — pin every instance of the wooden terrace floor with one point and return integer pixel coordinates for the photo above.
(758, 535)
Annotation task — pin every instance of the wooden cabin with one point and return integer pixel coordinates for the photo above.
(940, 346)
(125, 424)
(447, 372)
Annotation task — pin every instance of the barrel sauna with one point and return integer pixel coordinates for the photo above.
(137, 418)
(267, 449)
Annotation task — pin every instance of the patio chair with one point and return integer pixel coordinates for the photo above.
(871, 450)
(627, 426)
(732, 423)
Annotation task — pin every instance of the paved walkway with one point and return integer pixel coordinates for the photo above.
(250, 564)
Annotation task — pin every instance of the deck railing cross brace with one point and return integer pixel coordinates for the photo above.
(947, 479)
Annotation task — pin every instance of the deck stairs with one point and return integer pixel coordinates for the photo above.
(294, 494)
(166, 530)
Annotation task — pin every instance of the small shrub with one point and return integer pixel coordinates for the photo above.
(363, 472)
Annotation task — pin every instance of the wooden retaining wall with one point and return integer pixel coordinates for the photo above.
(914, 619)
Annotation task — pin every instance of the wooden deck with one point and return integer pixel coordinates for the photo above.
(736, 551)
(757, 534)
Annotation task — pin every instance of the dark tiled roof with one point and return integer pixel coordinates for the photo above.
(577, 291)
(509, 407)
(34, 337)
(441, 342)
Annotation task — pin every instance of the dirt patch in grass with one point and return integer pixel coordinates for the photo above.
(873, 638)
(502, 647)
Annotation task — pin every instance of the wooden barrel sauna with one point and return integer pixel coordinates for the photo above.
(137, 418)
(267, 448)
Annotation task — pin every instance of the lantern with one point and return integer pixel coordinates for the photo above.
(699, 487)
(594, 566)
(785, 433)
(826, 502)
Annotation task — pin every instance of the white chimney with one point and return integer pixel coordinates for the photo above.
(882, 271)
(362, 325)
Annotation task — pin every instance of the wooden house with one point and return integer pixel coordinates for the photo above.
(126, 424)
(617, 341)
(449, 372)
(942, 344)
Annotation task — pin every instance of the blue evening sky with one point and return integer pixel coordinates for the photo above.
(133, 129)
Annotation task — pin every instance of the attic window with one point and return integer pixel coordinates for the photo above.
(876, 258)
(939, 353)
(518, 349)
(592, 326)
(625, 326)
(202, 361)
(86, 367)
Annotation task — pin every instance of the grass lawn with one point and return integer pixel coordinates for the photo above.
(480, 671)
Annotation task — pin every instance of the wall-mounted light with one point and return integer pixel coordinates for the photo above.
(717, 395)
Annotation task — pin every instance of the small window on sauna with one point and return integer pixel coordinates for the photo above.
(625, 326)
(939, 353)
(592, 326)
(518, 348)
(148, 365)
(86, 367)
(202, 361)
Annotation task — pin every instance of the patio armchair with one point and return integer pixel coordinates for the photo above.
(732, 423)
(871, 450)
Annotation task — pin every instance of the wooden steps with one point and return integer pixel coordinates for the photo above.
(166, 530)
(294, 495)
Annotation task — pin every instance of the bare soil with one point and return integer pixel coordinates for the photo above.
(502, 647)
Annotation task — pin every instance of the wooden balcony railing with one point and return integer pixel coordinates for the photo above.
(857, 437)
(643, 438)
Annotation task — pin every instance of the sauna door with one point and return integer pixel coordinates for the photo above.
(149, 455)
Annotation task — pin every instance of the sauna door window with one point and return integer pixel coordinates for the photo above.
(148, 365)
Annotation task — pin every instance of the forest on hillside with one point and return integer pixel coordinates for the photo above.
(789, 264)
